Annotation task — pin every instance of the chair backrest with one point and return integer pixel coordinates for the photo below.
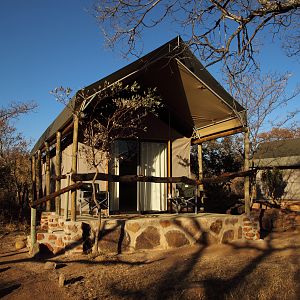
(88, 187)
(102, 195)
(186, 190)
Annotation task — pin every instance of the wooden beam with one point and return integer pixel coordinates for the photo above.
(58, 171)
(74, 165)
(294, 167)
(246, 168)
(67, 129)
(227, 177)
(47, 175)
(54, 177)
(132, 178)
(57, 193)
(140, 178)
(64, 131)
(218, 135)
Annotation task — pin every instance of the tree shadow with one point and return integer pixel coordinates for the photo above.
(6, 291)
(172, 279)
(4, 269)
(178, 277)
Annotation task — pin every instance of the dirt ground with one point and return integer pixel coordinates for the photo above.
(266, 269)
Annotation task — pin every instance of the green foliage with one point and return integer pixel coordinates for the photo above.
(219, 157)
(273, 184)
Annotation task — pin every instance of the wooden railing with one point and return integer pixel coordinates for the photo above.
(79, 178)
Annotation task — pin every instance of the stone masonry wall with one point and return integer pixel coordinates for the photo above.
(175, 231)
(146, 232)
(59, 235)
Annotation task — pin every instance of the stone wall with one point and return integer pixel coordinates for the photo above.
(280, 220)
(155, 232)
(58, 235)
(166, 232)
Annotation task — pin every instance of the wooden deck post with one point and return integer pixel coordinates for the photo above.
(66, 210)
(200, 173)
(74, 165)
(39, 174)
(58, 171)
(47, 175)
(246, 168)
(33, 210)
(169, 171)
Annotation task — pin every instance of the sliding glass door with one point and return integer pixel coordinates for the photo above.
(142, 158)
(153, 162)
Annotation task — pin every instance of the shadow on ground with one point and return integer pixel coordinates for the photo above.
(268, 269)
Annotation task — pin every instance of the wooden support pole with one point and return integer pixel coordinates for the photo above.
(58, 171)
(39, 174)
(169, 174)
(200, 173)
(246, 168)
(33, 210)
(200, 161)
(74, 165)
(47, 175)
(66, 210)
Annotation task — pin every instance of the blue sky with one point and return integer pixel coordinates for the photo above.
(49, 43)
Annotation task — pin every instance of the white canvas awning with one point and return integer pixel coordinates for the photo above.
(210, 112)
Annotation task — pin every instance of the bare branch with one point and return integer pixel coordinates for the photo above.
(219, 30)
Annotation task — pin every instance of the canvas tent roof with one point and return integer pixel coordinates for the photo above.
(278, 153)
(194, 99)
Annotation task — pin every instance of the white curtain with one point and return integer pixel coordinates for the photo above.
(114, 186)
(152, 196)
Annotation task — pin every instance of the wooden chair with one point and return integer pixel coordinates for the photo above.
(186, 196)
(86, 199)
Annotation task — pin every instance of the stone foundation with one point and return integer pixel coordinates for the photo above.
(291, 206)
(280, 220)
(59, 235)
(166, 232)
(155, 232)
